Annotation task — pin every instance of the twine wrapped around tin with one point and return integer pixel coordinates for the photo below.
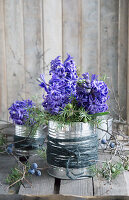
(25, 144)
(71, 150)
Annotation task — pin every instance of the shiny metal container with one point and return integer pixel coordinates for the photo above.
(104, 129)
(24, 143)
(73, 131)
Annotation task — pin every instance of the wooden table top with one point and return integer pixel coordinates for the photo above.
(47, 185)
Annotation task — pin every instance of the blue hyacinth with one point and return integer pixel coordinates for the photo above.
(91, 94)
(19, 111)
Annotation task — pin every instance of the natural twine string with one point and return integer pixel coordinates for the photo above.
(72, 153)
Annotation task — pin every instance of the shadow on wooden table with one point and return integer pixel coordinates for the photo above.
(60, 197)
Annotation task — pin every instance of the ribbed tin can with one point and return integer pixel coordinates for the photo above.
(104, 129)
(25, 144)
(75, 131)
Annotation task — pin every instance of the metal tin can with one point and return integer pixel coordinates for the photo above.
(74, 131)
(24, 143)
(104, 129)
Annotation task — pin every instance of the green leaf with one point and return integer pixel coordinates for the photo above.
(100, 114)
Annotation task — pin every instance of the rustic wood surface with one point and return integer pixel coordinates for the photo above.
(14, 48)
(46, 185)
(89, 36)
(109, 46)
(6, 163)
(128, 76)
(60, 197)
(77, 187)
(34, 32)
(43, 185)
(52, 30)
(122, 55)
(3, 74)
(33, 42)
(71, 29)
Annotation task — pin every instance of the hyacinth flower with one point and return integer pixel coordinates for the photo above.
(89, 94)
(19, 111)
(61, 86)
(92, 94)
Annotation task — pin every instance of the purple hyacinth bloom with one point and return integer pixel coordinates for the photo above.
(19, 111)
(91, 94)
(61, 86)
(42, 82)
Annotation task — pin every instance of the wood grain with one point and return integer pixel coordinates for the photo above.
(33, 46)
(109, 48)
(77, 187)
(7, 163)
(42, 185)
(122, 55)
(32, 33)
(52, 20)
(3, 81)
(89, 36)
(14, 50)
(126, 177)
(119, 185)
(128, 78)
(59, 197)
(71, 29)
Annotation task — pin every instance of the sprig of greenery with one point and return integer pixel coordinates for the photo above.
(108, 170)
(42, 153)
(16, 175)
(69, 114)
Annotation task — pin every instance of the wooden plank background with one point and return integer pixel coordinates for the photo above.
(32, 33)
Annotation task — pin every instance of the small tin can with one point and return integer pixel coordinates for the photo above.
(24, 143)
(104, 129)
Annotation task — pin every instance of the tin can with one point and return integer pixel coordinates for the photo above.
(24, 143)
(104, 129)
(71, 135)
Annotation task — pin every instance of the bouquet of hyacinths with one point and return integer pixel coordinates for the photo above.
(70, 98)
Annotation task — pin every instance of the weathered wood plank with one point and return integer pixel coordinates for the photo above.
(7, 162)
(77, 187)
(52, 19)
(122, 55)
(33, 45)
(128, 77)
(118, 186)
(60, 197)
(14, 50)
(109, 45)
(3, 82)
(7, 129)
(71, 29)
(42, 185)
(126, 176)
(89, 36)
